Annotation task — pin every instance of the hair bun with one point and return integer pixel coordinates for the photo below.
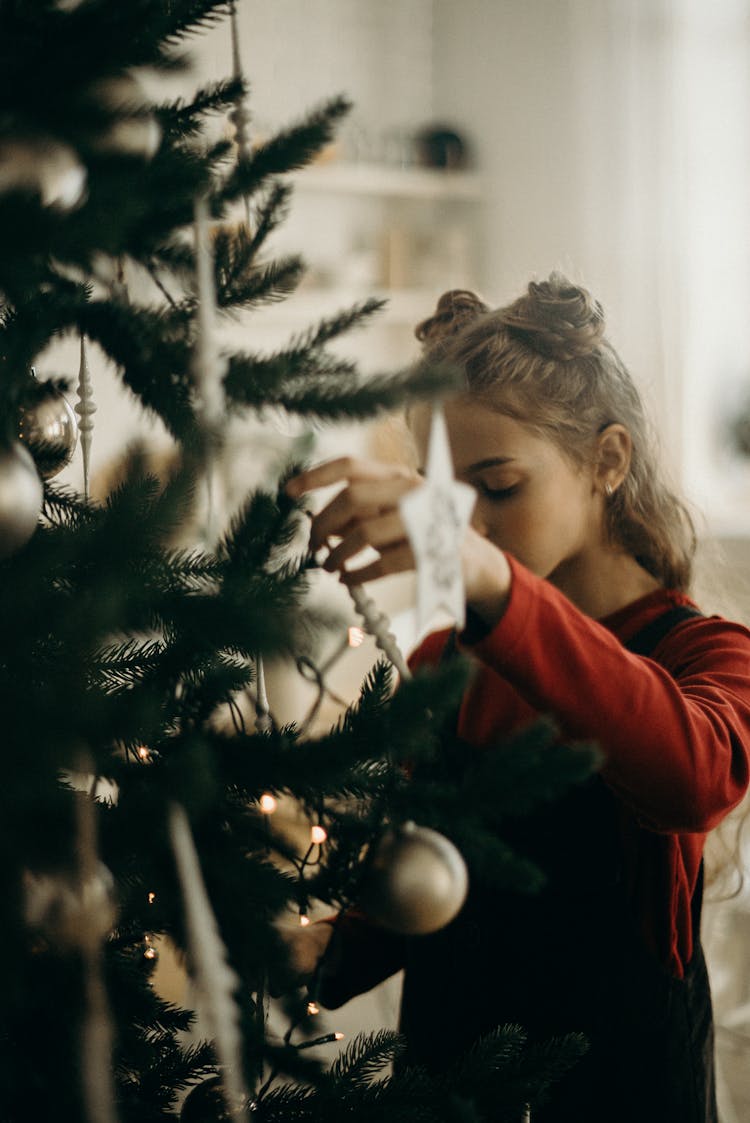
(454, 309)
(558, 319)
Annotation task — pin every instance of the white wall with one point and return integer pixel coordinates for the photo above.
(615, 140)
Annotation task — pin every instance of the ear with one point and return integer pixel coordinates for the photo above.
(614, 448)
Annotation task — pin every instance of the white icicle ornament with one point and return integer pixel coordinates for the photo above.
(417, 881)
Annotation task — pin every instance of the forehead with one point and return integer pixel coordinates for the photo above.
(477, 431)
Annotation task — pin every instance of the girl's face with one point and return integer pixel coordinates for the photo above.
(531, 500)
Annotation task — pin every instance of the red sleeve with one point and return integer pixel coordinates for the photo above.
(361, 955)
(675, 735)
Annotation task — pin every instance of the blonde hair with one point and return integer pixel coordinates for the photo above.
(544, 361)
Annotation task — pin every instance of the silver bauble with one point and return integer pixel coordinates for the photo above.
(49, 429)
(417, 881)
(136, 132)
(67, 913)
(44, 166)
(21, 496)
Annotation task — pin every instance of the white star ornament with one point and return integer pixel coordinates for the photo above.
(436, 517)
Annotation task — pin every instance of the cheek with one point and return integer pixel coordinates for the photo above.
(539, 533)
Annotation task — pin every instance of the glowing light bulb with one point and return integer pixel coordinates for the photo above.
(144, 753)
(304, 920)
(339, 1036)
(318, 835)
(313, 1008)
(150, 952)
(151, 898)
(268, 803)
(356, 637)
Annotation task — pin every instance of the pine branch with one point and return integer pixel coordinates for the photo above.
(530, 769)
(287, 151)
(153, 352)
(181, 119)
(364, 1057)
(269, 213)
(328, 388)
(266, 523)
(261, 285)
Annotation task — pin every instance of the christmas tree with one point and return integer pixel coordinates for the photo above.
(136, 797)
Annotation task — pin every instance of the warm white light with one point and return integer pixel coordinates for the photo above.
(339, 1036)
(150, 952)
(304, 920)
(313, 1008)
(356, 636)
(151, 898)
(318, 835)
(144, 753)
(268, 803)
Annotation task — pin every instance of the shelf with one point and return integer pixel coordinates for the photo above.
(274, 324)
(381, 180)
(405, 306)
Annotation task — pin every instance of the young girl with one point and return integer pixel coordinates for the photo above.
(576, 568)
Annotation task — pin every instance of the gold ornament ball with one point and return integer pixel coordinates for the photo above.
(417, 881)
(21, 496)
(205, 1103)
(45, 167)
(68, 913)
(48, 428)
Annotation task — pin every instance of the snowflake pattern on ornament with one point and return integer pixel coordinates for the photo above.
(436, 517)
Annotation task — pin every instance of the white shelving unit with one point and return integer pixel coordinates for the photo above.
(375, 230)
(398, 183)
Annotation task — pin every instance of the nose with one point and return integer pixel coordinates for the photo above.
(479, 524)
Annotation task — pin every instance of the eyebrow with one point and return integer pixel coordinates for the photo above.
(490, 462)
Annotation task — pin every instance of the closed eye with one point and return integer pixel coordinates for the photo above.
(496, 494)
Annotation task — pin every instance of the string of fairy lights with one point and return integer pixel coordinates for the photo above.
(269, 803)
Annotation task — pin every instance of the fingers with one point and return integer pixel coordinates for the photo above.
(343, 468)
(357, 503)
(397, 559)
(363, 514)
(305, 948)
(381, 532)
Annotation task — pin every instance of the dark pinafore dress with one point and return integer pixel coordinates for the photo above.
(572, 958)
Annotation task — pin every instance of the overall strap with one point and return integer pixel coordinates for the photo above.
(644, 641)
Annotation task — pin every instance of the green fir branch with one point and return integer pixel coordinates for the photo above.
(360, 1061)
(262, 285)
(287, 151)
(268, 214)
(185, 119)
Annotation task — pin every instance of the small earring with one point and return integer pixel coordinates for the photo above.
(609, 489)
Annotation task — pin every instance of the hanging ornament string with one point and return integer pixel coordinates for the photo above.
(378, 625)
(208, 366)
(85, 408)
(239, 116)
(215, 981)
(97, 1035)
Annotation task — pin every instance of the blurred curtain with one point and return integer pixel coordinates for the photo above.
(662, 89)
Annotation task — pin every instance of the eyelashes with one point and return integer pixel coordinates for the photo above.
(496, 494)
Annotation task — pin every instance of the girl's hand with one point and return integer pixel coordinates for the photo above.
(366, 513)
(306, 947)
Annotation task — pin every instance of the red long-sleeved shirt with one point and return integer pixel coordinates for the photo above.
(675, 733)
